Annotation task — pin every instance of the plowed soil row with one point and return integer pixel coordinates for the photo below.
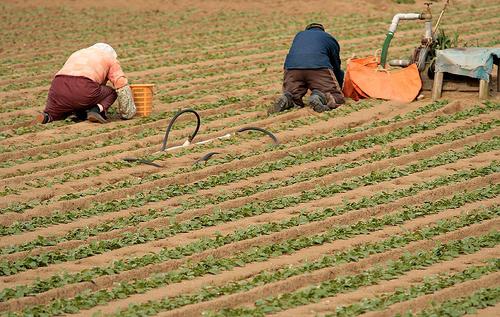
(86, 232)
(170, 242)
(249, 162)
(263, 196)
(293, 283)
(305, 230)
(249, 32)
(142, 60)
(417, 276)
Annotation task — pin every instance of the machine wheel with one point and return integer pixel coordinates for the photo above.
(420, 57)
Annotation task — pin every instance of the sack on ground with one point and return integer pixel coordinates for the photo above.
(126, 105)
(363, 79)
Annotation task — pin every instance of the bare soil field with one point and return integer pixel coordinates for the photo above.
(376, 208)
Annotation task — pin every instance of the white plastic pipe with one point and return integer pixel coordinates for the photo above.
(428, 30)
(225, 136)
(187, 143)
(400, 62)
(402, 16)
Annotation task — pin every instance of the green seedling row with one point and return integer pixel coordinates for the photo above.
(393, 269)
(158, 44)
(155, 132)
(157, 47)
(255, 231)
(288, 247)
(430, 285)
(217, 32)
(36, 128)
(20, 207)
(32, 129)
(200, 56)
(357, 46)
(135, 137)
(484, 297)
(212, 62)
(116, 165)
(199, 202)
(139, 122)
(248, 210)
(349, 283)
(231, 176)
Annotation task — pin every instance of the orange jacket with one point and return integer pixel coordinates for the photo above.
(95, 64)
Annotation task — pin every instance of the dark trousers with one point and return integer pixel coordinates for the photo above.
(298, 81)
(76, 94)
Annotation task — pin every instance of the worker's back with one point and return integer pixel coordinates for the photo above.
(312, 49)
(312, 63)
(95, 64)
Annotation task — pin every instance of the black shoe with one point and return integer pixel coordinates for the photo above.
(317, 101)
(283, 103)
(95, 116)
(80, 116)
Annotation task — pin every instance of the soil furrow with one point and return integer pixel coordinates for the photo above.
(328, 305)
(310, 254)
(422, 302)
(408, 32)
(155, 246)
(295, 282)
(263, 196)
(193, 176)
(284, 136)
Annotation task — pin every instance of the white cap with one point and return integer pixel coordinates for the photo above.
(105, 47)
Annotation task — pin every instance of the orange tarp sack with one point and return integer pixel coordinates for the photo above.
(363, 79)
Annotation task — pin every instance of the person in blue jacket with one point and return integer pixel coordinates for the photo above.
(313, 62)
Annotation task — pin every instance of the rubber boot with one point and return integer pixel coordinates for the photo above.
(94, 115)
(283, 103)
(317, 101)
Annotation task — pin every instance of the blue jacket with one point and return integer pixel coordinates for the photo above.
(315, 49)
